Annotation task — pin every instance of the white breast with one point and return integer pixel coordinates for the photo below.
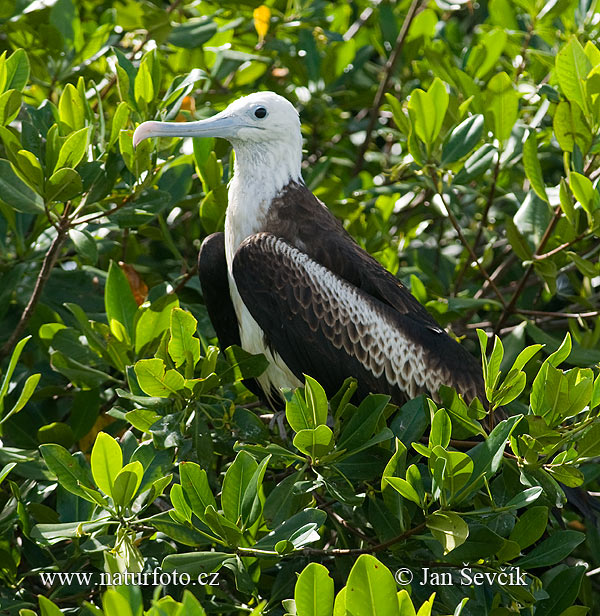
(247, 210)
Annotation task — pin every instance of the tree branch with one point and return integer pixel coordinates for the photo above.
(383, 84)
(49, 260)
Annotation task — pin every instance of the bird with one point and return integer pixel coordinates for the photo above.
(285, 278)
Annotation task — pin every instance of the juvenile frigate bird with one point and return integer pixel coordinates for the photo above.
(286, 279)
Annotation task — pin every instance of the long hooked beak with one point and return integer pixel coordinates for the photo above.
(220, 125)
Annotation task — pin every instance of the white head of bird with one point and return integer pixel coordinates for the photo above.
(264, 129)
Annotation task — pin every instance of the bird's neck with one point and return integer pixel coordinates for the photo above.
(260, 174)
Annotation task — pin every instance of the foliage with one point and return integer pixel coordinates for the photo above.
(459, 145)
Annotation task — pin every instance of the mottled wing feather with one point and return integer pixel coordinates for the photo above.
(323, 325)
(297, 216)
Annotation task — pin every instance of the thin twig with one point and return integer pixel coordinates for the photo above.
(509, 308)
(482, 223)
(558, 249)
(184, 280)
(40, 283)
(370, 550)
(383, 84)
(464, 241)
(566, 315)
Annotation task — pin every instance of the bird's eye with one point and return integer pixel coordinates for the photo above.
(261, 112)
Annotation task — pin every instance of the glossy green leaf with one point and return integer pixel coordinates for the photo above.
(106, 462)
(17, 70)
(196, 488)
(572, 67)
(463, 139)
(315, 442)
(119, 302)
(371, 589)
(15, 193)
(127, 482)
(314, 591)
(533, 169)
(502, 105)
(73, 149)
(448, 528)
(155, 380)
(183, 346)
(552, 550)
(235, 484)
(10, 104)
(71, 110)
(84, 244)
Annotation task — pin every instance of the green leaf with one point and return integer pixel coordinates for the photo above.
(71, 110)
(15, 193)
(154, 381)
(404, 488)
(566, 202)
(314, 591)
(47, 608)
(584, 191)
(562, 592)
(202, 150)
(428, 110)
(371, 589)
(106, 461)
(63, 185)
(183, 346)
(448, 528)
(462, 139)
(572, 67)
(29, 169)
(127, 482)
(24, 396)
(143, 87)
(12, 364)
(588, 446)
(73, 149)
(193, 33)
(570, 127)
(244, 365)
(361, 426)
(195, 562)
(196, 488)
(120, 304)
(502, 105)
(479, 162)
(441, 429)
(487, 456)
(530, 526)
(235, 484)
(4, 472)
(17, 70)
(552, 550)
(154, 320)
(533, 169)
(69, 472)
(10, 104)
(315, 442)
(316, 402)
(85, 245)
(253, 498)
(119, 121)
(527, 496)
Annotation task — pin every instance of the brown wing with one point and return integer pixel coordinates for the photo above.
(323, 325)
(302, 220)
